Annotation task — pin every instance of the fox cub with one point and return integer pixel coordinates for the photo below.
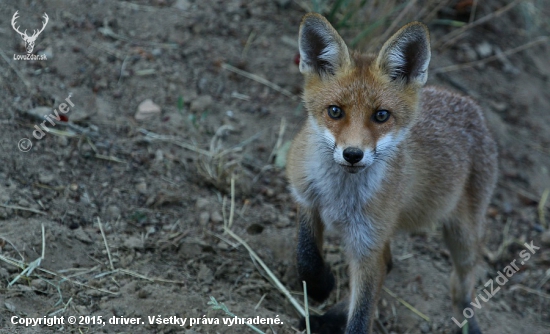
(379, 153)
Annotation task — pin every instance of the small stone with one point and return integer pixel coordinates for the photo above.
(146, 110)
(4, 275)
(283, 221)
(81, 309)
(38, 284)
(159, 156)
(425, 327)
(202, 203)
(545, 238)
(205, 274)
(204, 217)
(81, 235)
(484, 50)
(45, 177)
(113, 211)
(23, 202)
(141, 187)
(134, 243)
(182, 4)
(216, 217)
(201, 104)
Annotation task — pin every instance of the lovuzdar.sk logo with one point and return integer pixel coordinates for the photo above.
(29, 40)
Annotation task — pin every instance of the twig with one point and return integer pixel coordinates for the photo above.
(17, 207)
(407, 305)
(34, 264)
(495, 57)
(282, 129)
(232, 207)
(260, 302)
(473, 11)
(274, 279)
(105, 242)
(541, 208)
(533, 291)
(306, 308)
(260, 80)
(109, 158)
(451, 37)
(221, 306)
(151, 135)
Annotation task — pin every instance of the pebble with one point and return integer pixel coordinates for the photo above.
(81, 235)
(204, 217)
(425, 327)
(113, 211)
(202, 203)
(201, 103)
(205, 274)
(141, 187)
(216, 217)
(38, 284)
(134, 243)
(545, 238)
(146, 110)
(484, 50)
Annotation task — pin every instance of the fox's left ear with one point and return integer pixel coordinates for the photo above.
(406, 55)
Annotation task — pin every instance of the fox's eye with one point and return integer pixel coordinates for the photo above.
(381, 116)
(335, 112)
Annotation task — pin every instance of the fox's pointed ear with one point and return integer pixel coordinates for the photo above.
(322, 50)
(406, 55)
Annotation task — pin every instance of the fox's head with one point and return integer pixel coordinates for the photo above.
(361, 106)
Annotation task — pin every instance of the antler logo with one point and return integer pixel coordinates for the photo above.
(29, 40)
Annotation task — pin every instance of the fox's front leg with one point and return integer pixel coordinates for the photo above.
(367, 274)
(311, 266)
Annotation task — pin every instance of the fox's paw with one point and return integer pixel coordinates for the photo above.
(328, 323)
(319, 288)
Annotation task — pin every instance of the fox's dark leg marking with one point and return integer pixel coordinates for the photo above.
(311, 266)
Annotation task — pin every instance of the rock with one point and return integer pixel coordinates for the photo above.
(141, 187)
(216, 217)
(81, 235)
(484, 50)
(81, 309)
(182, 4)
(545, 238)
(202, 203)
(134, 243)
(45, 177)
(201, 104)
(204, 217)
(113, 211)
(205, 274)
(146, 110)
(39, 284)
(425, 327)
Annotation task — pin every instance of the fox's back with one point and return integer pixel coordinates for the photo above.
(453, 156)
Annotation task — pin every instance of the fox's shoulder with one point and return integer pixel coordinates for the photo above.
(441, 103)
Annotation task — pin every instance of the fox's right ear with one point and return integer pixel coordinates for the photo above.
(322, 50)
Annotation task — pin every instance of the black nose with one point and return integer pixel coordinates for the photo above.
(353, 155)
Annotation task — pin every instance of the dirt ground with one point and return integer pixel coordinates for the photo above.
(155, 178)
